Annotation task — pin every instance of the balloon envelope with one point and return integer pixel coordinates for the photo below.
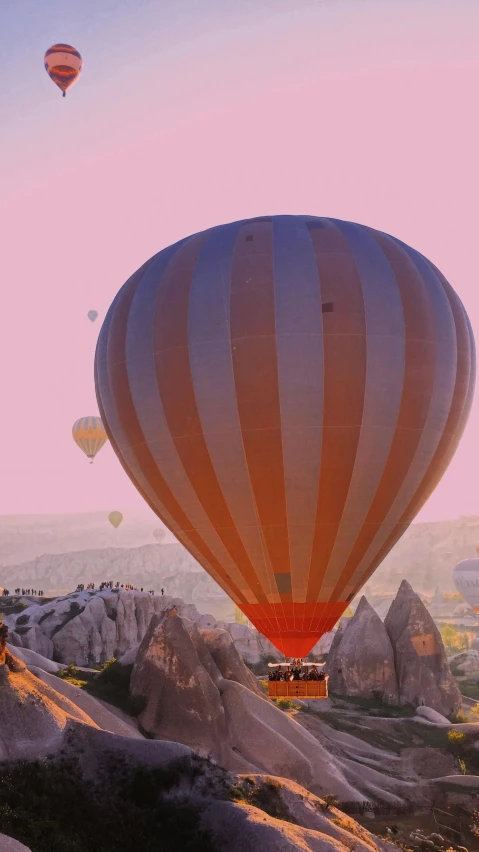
(92, 315)
(466, 581)
(89, 434)
(63, 65)
(286, 392)
(115, 519)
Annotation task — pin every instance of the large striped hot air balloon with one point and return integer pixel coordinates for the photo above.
(63, 65)
(89, 434)
(466, 581)
(286, 392)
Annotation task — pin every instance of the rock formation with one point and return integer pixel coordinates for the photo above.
(225, 654)
(465, 664)
(33, 716)
(31, 658)
(272, 813)
(361, 658)
(432, 716)
(402, 661)
(189, 700)
(179, 687)
(422, 670)
(309, 827)
(92, 626)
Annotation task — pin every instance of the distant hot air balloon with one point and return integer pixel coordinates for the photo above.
(92, 315)
(159, 534)
(90, 435)
(63, 65)
(466, 581)
(115, 519)
(285, 393)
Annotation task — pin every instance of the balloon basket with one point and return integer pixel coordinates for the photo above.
(298, 688)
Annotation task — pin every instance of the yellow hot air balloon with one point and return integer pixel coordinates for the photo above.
(115, 519)
(63, 64)
(89, 434)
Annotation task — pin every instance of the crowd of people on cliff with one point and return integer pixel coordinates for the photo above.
(109, 584)
(39, 593)
(36, 593)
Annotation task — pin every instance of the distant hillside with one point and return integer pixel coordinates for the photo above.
(24, 537)
(153, 566)
(55, 552)
(426, 556)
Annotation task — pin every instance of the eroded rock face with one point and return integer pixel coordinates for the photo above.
(225, 655)
(33, 716)
(422, 669)
(465, 664)
(361, 659)
(92, 626)
(200, 693)
(180, 694)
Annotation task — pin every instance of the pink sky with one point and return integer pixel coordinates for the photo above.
(361, 110)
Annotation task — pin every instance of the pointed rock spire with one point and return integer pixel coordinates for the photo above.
(361, 660)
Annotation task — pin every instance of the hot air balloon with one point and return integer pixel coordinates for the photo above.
(92, 315)
(466, 581)
(115, 519)
(90, 435)
(285, 393)
(159, 534)
(63, 65)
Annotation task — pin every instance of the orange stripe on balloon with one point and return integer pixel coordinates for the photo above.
(452, 434)
(175, 385)
(344, 339)
(418, 384)
(255, 366)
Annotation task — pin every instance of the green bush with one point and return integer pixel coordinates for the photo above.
(329, 801)
(113, 685)
(285, 704)
(12, 606)
(456, 738)
(267, 797)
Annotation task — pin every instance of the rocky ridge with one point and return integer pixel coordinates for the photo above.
(92, 626)
(402, 661)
